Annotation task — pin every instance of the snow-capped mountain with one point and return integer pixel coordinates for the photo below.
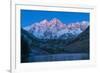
(55, 29)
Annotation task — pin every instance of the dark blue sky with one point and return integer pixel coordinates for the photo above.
(31, 16)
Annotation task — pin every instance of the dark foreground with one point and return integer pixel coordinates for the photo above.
(59, 57)
(36, 50)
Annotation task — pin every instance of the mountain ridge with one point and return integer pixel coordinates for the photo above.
(54, 29)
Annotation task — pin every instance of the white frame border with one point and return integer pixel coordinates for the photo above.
(17, 67)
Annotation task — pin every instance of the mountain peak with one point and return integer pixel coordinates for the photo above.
(44, 21)
(55, 21)
(84, 25)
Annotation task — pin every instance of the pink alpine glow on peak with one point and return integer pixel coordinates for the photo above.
(55, 28)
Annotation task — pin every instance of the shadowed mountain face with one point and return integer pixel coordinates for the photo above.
(26, 41)
(81, 43)
(31, 46)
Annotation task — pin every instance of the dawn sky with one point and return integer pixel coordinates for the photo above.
(31, 16)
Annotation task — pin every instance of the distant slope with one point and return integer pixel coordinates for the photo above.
(80, 44)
